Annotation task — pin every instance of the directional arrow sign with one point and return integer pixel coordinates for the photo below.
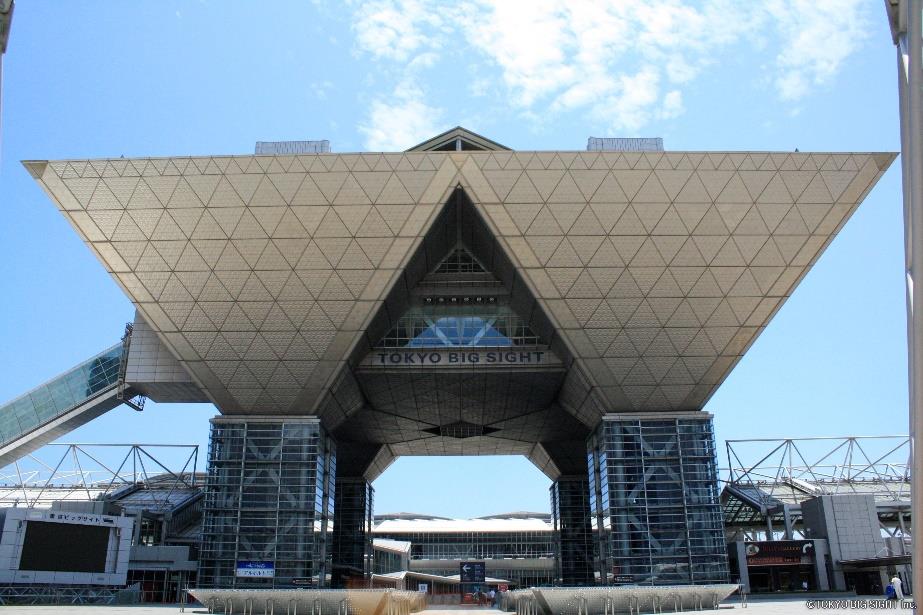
(472, 572)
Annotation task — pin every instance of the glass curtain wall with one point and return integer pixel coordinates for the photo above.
(654, 489)
(352, 532)
(475, 545)
(268, 502)
(573, 539)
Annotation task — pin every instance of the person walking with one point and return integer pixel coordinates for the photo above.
(896, 584)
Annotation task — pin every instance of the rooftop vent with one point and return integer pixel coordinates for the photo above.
(292, 147)
(621, 144)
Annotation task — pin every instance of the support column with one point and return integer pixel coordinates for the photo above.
(907, 30)
(659, 486)
(352, 532)
(268, 501)
(789, 525)
(570, 510)
(821, 556)
(743, 574)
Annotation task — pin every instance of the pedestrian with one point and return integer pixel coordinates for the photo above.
(492, 595)
(898, 590)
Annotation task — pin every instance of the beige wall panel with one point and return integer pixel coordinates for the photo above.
(264, 270)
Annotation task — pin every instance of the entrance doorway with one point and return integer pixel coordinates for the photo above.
(765, 579)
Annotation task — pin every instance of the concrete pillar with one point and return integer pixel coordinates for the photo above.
(821, 553)
(789, 526)
(742, 573)
(906, 578)
(884, 576)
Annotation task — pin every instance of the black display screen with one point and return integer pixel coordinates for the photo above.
(64, 547)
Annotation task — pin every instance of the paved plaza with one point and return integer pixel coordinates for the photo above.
(779, 606)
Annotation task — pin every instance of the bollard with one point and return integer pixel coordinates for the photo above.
(656, 604)
(229, 606)
(634, 604)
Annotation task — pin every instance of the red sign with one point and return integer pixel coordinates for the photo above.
(780, 552)
(503, 587)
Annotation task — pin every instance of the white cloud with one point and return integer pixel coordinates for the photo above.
(395, 29)
(817, 36)
(672, 105)
(320, 89)
(401, 121)
(610, 58)
(631, 108)
(529, 42)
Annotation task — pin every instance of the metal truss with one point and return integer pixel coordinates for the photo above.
(874, 465)
(86, 472)
(768, 479)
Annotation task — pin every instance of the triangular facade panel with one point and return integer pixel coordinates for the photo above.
(649, 274)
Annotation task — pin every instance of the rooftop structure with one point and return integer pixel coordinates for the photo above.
(270, 148)
(768, 480)
(610, 144)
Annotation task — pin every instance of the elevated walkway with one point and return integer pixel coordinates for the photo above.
(62, 404)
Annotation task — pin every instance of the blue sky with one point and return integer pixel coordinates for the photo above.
(104, 79)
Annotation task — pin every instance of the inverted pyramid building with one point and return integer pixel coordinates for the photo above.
(337, 286)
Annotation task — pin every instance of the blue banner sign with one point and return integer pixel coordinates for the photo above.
(256, 569)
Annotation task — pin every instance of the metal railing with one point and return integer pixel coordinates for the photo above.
(310, 601)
